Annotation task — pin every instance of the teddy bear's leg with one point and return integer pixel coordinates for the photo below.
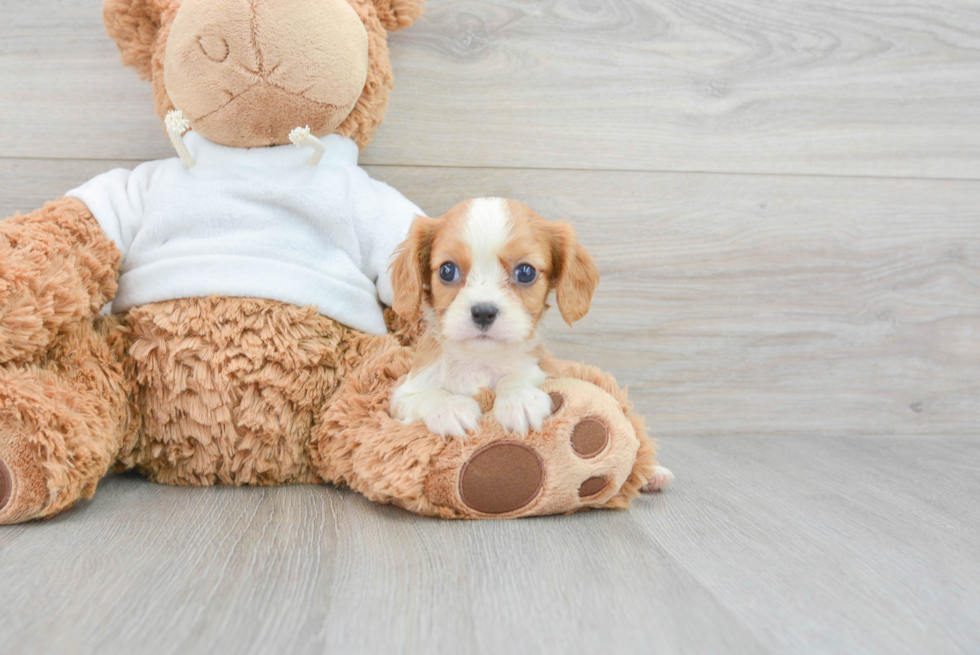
(57, 270)
(230, 388)
(63, 419)
(592, 452)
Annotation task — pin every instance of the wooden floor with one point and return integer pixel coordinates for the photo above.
(767, 544)
(784, 201)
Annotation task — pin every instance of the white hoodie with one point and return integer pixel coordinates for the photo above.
(255, 222)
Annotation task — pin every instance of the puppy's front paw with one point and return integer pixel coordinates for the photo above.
(521, 410)
(454, 417)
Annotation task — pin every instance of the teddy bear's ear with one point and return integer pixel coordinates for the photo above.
(398, 14)
(135, 27)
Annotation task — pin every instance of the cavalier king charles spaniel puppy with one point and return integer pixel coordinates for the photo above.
(480, 276)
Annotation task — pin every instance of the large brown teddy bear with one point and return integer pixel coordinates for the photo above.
(241, 350)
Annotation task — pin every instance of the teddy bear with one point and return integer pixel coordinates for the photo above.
(220, 317)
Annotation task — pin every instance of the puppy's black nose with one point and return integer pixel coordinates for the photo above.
(484, 315)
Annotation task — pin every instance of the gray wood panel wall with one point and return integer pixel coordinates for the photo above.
(784, 198)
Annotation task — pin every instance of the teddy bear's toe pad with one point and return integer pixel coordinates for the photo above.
(589, 438)
(592, 486)
(501, 477)
(6, 485)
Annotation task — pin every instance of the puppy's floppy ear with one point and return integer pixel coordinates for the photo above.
(135, 27)
(411, 268)
(574, 276)
(398, 14)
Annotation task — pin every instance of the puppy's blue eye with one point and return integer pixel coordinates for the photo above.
(525, 274)
(449, 272)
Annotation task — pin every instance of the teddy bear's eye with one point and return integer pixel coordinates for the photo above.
(525, 274)
(449, 273)
(215, 47)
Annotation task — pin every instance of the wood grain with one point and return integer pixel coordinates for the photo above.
(855, 87)
(745, 305)
(765, 545)
(834, 545)
(156, 569)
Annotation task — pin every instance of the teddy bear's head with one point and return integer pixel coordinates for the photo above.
(246, 72)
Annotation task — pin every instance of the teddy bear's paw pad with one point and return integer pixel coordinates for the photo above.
(593, 486)
(589, 438)
(557, 401)
(6, 485)
(500, 478)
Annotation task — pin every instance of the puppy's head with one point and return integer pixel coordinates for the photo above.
(483, 271)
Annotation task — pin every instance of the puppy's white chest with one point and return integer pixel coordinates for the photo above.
(467, 377)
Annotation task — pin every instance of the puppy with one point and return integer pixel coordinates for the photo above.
(480, 277)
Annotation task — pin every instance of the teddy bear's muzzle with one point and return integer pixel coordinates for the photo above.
(264, 115)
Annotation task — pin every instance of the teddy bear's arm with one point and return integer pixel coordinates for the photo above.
(382, 219)
(57, 268)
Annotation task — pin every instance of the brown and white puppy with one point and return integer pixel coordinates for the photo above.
(480, 277)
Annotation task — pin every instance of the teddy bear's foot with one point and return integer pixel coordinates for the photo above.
(23, 489)
(60, 427)
(584, 456)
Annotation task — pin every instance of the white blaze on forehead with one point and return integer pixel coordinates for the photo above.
(487, 230)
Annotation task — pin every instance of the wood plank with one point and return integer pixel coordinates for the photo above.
(855, 87)
(146, 568)
(311, 569)
(831, 545)
(764, 545)
(585, 584)
(743, 304)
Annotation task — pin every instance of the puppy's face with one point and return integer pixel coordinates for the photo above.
(484, 270)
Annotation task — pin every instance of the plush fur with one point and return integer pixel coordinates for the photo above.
(242, 391)
(56, 269)
(142, 29)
